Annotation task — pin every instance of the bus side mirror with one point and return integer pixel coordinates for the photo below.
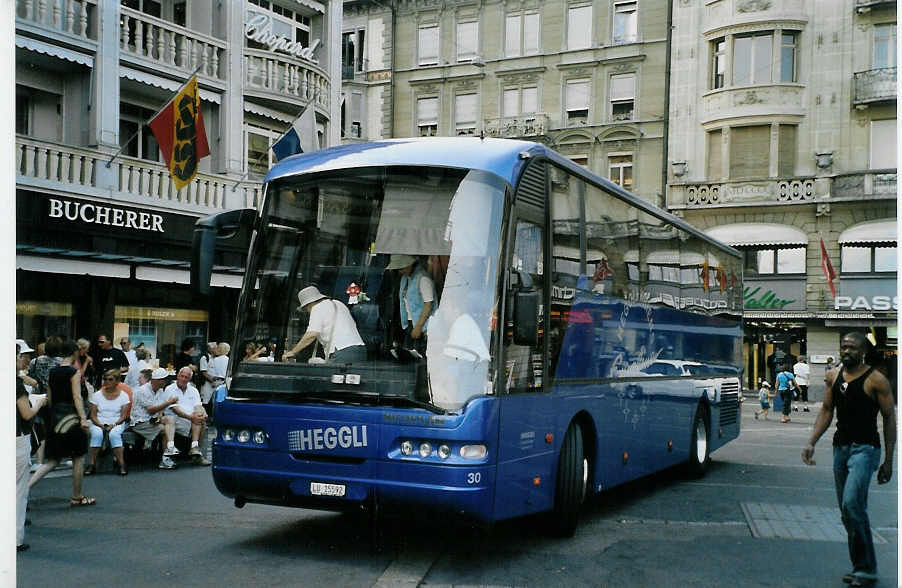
(526, 311)
(221, 226)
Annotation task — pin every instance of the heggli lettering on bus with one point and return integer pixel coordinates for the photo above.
(327, 438)
(511, 368)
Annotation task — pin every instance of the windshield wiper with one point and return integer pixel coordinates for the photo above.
(374, 398)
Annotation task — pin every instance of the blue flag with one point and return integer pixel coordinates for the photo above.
(300, 138)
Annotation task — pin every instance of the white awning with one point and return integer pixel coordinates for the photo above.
(685, 258)
(267, 112)
(226, 281)
(164, 83)
(881, 231)
(75, 267)
(162, 274)
(54, 51)
(753, 234)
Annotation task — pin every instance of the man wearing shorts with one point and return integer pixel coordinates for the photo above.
(188, 412)
(146, 417)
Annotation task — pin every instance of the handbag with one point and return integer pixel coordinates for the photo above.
(65, 424)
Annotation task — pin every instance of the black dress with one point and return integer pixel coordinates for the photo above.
(74, 442)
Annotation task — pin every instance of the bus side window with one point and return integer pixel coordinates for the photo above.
(524, 364)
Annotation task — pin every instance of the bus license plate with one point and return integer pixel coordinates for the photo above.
(320, 489)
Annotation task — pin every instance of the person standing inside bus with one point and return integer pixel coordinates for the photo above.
(332, 325)
(858, 392)
(417, 301)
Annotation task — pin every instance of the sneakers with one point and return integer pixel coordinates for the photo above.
(195, 451)
(167, 464)
(200, 460)
(806, 409)
(795, 409)
(171, 451)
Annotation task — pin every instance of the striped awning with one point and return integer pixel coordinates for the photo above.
(165, 83)
(757, 234)
(881, 231)
(54, 51)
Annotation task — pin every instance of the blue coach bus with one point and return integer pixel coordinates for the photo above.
(581, 337)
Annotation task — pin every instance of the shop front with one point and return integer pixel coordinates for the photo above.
(88, 267)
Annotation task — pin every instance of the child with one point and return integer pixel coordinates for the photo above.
(764, 396)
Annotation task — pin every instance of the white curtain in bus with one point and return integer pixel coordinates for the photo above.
(414, 219)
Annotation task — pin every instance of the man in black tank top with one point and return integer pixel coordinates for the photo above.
(857, 392)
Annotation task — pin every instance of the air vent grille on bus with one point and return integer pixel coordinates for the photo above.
(729, 403)
(531, 189)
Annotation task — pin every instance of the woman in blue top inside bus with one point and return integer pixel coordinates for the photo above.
(417, 302)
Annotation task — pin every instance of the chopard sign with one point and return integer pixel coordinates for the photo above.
(259, 29)
(105, 215)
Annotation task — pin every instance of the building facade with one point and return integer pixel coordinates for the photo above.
(782, 137)
(103, 236)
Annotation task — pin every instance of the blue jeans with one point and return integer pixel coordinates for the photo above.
(853, 467)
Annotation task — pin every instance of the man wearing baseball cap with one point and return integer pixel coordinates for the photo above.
(146, 406)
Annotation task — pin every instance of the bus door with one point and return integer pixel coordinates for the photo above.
(525, 456)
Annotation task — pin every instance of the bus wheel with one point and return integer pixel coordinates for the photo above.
(699, 448)
(570, 486)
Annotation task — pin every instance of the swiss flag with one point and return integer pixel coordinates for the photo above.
(828, 268)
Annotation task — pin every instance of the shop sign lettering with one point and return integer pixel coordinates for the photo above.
(866, 303)
(105, 215)
(767, 299)
(259, 29)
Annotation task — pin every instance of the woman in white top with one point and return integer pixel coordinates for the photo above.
(110, 407)
(332, 326)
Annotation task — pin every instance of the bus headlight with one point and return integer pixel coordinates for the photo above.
(425, 450)
(259, 437)
(473, 451)
(244, 436)
(444, 451)
(228, 434)
(406, 448)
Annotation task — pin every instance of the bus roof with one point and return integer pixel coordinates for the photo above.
(496, 156)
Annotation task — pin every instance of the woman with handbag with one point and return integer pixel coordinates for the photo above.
(68, 435)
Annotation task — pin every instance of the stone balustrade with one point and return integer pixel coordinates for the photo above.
(169, 45)
(513, 127)
(76, 169)
(874, 86)
(284, 76)
(67, 17)
(742, 193)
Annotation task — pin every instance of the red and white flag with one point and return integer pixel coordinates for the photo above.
(828, 268)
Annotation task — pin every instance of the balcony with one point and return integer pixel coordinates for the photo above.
(874, 86)
(280, 76)
(517, 127)
(865, 185)
(65, 19)
(745, 193)
(865, 6)
(47, 165)
(163, 45)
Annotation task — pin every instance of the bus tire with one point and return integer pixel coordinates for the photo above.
(699, 448)
(570, 486)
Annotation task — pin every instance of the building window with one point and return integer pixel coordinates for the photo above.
(582, 160)
(352, 53)
(718, 63)
(625, 22)
(579, 27)
(752, 59)
(287, 23)
(517, 101)
(577, 100)
(782, 261)
(135, 137)
(623, 96)
(786, 151)
(750, 152)
(427, 45)
(868, 259)
(620, 170)
(715, 155)
(258, 141)
(521, 34)
(466, 111)
(467, 40)
(427, 117)
(884, 46)
(788, 52)
(883, 144)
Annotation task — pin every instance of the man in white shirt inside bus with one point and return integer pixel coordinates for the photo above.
(332, 326)
(801, 370)
(191, 418)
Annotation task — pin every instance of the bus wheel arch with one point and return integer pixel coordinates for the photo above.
(700, 441)
(570, 483)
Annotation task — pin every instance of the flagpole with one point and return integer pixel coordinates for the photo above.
(135, 134)
(285, 132)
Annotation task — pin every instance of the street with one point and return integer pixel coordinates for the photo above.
(759, 518)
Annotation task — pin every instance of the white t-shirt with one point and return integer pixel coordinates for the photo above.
(801, 372)
(109, 411)
(187, 400)
(323, 316)
(217, 367)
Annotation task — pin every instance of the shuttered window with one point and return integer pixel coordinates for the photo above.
(749, 152)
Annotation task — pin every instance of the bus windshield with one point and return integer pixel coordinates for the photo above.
(339, 231)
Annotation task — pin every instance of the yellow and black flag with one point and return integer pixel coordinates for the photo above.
(179, 129)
